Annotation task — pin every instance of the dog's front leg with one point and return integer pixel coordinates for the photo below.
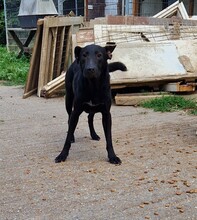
(106, 120)
(71, 128)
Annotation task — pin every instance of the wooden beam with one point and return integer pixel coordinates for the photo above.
(63, 21)
(33, 74)
(191, 8)
(52, 52)
(68, 50)
(135, 99)
(50, 88)
(136, 7)
(44, 60)
(86, 10)
(60, 49)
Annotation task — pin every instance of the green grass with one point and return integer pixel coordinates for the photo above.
(171, 103)
(13, 70)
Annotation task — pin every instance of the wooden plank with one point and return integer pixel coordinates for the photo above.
(136, 20)
(74, 44)
(30, 93)
(122, 83)
(43, 61)
(136, 7)
(85, 35)
(191, 7)
(60, 49)
(168, 12)
(47, 73)
(135, 99)
(50, 88)
(68, 53)
(33, 74)
(52, 53)
(187, 63)
(61, 21)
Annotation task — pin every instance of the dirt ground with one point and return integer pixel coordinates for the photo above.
(157, 178)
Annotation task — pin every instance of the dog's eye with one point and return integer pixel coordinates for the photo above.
(99, 55)
(84, 55)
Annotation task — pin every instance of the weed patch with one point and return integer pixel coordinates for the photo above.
(13, 70)
(171, 103)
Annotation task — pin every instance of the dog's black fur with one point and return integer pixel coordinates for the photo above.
(88, 89)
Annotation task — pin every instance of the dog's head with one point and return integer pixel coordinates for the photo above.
(93, 59)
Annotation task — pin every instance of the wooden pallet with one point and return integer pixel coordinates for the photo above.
(33, 74)
(52, 52)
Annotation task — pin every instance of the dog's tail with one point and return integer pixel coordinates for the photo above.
(117, 66)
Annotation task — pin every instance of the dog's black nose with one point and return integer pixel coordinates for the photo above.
(91, 70)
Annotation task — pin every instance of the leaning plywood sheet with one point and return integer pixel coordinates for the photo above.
(150, 62)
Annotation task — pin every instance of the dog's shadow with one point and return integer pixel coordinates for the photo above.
(84, 149)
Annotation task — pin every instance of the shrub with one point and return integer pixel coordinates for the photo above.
(12, 69)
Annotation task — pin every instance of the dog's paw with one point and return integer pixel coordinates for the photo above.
(115, 160)
(60, 158)
(72, 139)
(95, 137)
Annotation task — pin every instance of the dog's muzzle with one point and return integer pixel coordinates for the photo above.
(91, 73)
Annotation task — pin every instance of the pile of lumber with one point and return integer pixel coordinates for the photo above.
(52, 54)
(144, 44)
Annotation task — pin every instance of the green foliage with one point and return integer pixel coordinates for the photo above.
(12, 69)
(171, 103)
(193, 111)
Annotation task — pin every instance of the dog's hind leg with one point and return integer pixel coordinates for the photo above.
(93, 134)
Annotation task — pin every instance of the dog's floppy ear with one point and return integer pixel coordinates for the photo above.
(77, 52)
(110, 46)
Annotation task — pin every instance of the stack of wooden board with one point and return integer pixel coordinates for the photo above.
(52, 53)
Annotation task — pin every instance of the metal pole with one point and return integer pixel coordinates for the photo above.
(123, 9)
(6, 24)
(76, 8)
(60, 7)
(127, 7)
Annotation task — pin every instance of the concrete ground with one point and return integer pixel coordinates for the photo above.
(157, 178)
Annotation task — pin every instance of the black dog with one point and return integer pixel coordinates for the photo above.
(88, 89)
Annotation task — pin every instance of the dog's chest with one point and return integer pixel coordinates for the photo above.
(94, 92)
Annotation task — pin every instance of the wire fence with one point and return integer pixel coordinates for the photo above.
(94, 8)
(101, 8)
(143, 33)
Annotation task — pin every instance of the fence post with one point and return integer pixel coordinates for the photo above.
(6, 23)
